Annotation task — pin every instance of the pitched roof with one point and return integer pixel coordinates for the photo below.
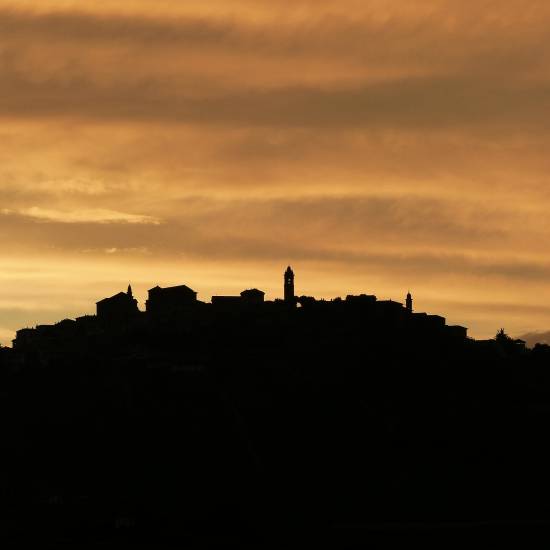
(252, 291)
(171, 288)
(115, 297)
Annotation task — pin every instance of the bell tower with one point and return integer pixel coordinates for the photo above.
(409, 303)
(289, 286)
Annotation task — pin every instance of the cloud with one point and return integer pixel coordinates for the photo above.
(425, 238)
(380, 34)
(440, 71)
(80, 186)
(135, 250)
(428, 103)
(354, 222)
(86, 216)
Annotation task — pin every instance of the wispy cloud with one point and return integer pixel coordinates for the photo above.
(101, 216)
(80, 186)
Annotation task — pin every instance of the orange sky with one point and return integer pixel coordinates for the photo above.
(376, 146)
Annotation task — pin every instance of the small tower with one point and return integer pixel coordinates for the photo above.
(289, 286)
(130, 291)
(409, 303)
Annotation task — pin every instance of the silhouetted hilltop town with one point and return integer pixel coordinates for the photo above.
(177, 308)
(247, 419)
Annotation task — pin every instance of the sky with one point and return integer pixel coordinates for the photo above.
(377, 146)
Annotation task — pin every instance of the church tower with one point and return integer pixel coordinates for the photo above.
(289, 286)
(409, 303)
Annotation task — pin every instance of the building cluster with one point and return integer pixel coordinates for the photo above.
(178, 305)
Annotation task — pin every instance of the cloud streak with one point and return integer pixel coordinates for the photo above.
(86, 216)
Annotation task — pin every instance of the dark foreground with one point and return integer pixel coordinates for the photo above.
(330, 436)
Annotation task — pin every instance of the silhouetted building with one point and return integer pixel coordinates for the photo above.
(388, 308)
(118, 308)
(227, 302)
(362, 299)
(436, 321)
(65, 329)
(289, 286)
(247, 299)
(87, 325)
(306, 301)
(167, 302)
(253, 296)
(24, 338)
(458, 332)
(521, 345)
(428, 322)
(86, 321)
(409, 303)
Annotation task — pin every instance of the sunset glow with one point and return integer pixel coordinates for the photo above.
(376, 146)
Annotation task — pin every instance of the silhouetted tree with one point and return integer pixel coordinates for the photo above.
(502, 338)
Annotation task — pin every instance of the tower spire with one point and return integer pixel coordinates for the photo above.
(409, 302)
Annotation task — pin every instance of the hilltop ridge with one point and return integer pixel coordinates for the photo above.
(245, 417)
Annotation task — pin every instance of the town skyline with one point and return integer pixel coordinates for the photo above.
(141, 289)
(176, 310)
(288, 294)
